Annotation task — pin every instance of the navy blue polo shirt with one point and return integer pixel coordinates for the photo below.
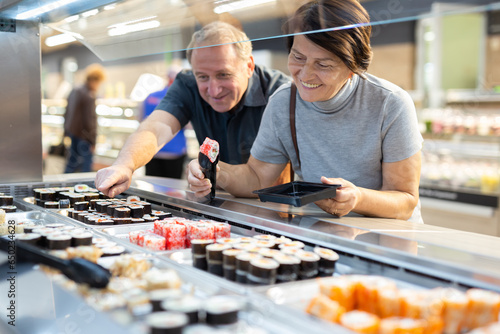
(235, 131)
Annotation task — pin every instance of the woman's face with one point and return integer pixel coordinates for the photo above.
(318, 74)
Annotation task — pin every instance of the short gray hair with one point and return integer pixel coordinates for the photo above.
(219, 32)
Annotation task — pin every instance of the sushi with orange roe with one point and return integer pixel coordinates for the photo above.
(455, 305)
(368, 292)
(323, 307)
(421, 304)
(339, 289)
(389, 303)
(484, 307)
(360, 322)
(489, 329)
(400, 325)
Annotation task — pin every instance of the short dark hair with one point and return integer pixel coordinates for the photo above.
(350, 44)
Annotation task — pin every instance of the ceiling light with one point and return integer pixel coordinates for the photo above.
(43, 9)
(236, 5)
(126, 29)
(116, 25)
(59, 39)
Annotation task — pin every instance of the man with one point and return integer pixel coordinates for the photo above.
(169, 161)
(223, 96)
(80, 121)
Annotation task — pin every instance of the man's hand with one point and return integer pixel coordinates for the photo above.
(346, 198)
(113, 180)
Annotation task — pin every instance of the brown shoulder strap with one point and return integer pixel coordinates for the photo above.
(293, 93)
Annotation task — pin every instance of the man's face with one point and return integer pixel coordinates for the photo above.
(221, 76)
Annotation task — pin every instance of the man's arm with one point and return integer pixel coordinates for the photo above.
(238, 180)
(153, 133)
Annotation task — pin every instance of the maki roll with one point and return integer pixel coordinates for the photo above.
(156, 297)
(242, 265)
(81, 188)
(81, 239)
(6, 200)
(113, 251)
(262, 271)
(81, 206)
(161, 214)
(146, 205)
(323, 307)
(9, 208)
(222, 310)
(136, 210)
(393, 325)
(327, 261)
(214, 258)
(154, 242)
(360, 322)
(122, 212)
(167, 322)
(58, 241)
(110, 209)
(309, 264)
(189, 305)
(229, 263)
(208, 159)
(222, 230)
(288, 270)
(199, 253)
(29, 238)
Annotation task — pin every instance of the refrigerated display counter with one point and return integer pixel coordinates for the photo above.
(414, 256)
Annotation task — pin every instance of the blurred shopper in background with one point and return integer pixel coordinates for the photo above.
(169, 161)
(80, 122)
(223, 96)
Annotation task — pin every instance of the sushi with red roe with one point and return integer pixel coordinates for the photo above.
(208, 159)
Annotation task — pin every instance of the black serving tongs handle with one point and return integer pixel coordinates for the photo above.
(77, 269)
(209, 169)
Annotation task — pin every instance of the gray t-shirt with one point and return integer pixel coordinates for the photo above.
(368, 122)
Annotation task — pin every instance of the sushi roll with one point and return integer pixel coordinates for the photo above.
(113, 251)
(121, 221)
(265, 237)
(360, 322)
(455, 309)
(47, 195)
(484, 307)
(175, 235)
(309, 264)
(55, 225)
(229, 263)
(74, 198)
(281, 240)
(262, 271)
(91, 196)
(228, 241)
(269, 252)
(214, 258)
(110, 209)
(81, 239)
(397, 325)
(327, 261)
(64, 203)
(248, 247)
(189, 305)
(199, 253)
(162, 279)
(9, 208)
(6, 200)
(293, 244)
(102, 205)
(146, 206)
(199, 231)
(81, 188)
(58, 241)
(154, 242)
(369, 289)
(166, 322)
(160, 214)
(341, 289)
(222, 230)
(133, 199)
(243, 264)
(29, 238)
(136, 220)
(149, 219)
(323, 307)
(122, 212)
(29, 227)
(288, 270)
(136, 210)
(156, 297)
(81, 206)
(222, 310)
(104, 222)
(208, 159)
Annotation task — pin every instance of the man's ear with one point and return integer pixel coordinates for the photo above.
(250, 65)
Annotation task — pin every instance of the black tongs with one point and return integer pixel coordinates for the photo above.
(77, 269)
(209, 169)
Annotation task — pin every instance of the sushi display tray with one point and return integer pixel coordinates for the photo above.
(297, 193)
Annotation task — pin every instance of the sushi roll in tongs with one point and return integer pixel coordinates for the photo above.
(208, 159)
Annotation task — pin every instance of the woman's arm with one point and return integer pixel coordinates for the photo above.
(397, 198)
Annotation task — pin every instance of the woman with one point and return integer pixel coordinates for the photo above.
(357, 129)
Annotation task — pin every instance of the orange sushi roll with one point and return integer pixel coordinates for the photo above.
(339, 289)
(484, 307)
(421, 304)
(389, 303)
(368, 291)
(400, 325)
(490, 329)
(360, 322)
(455, 305)
(325, 308)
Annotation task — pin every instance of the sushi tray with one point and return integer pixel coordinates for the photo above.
(297, 193)
(211, 246)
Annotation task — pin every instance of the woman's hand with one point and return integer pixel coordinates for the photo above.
(346, 199)
(198, 183)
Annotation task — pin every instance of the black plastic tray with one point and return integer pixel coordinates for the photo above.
(297, 193)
